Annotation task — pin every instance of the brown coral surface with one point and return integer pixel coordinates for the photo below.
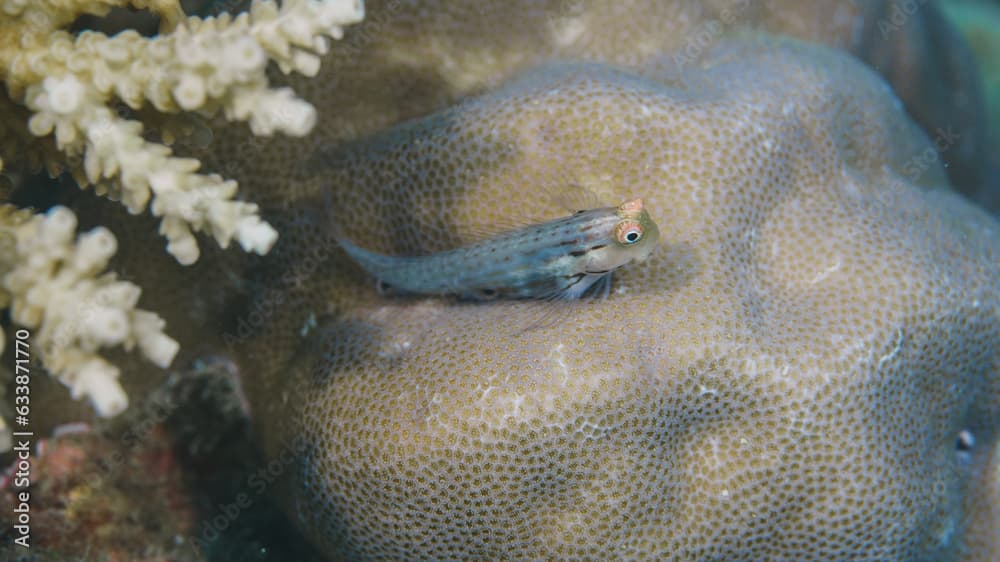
(807, 367)
(408, 59)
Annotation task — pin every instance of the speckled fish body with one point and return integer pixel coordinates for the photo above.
(562, 258)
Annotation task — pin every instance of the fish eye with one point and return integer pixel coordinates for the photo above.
(628, 232)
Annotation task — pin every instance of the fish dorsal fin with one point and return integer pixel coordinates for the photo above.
(576, 198)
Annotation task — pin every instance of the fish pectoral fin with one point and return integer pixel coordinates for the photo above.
(565, 299)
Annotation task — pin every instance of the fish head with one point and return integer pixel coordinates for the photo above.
(635, 234)
(627, 234)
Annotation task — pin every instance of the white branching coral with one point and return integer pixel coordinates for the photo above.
(211, 65)
(57, 113)
(57, 286)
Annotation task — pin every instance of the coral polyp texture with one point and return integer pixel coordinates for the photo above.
(806, 368)
(410, 58)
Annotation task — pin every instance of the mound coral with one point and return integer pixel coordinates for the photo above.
(806, 368)
(408, 59)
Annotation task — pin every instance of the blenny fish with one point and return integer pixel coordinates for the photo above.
(561, 258)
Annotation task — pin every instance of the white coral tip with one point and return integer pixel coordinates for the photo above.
(92, 165)
(342, 13)
(246, 55)
(109, 326)
(306, 63)
(41, 124)
(298, 118)
(255, 235)
(159, 348)
(58, 226)
(184, 248)
(96, 247)
(190, 92)
(98, 381)
(155, 345)
(64, 94)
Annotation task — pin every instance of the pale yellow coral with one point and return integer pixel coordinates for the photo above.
(62, 87)
(58, 288)
(199, 65)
